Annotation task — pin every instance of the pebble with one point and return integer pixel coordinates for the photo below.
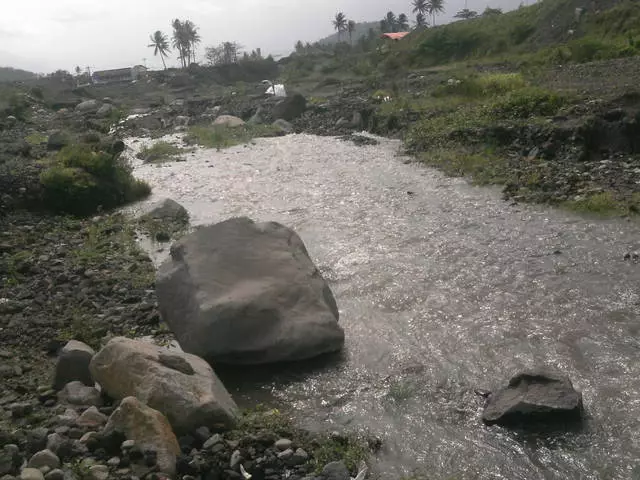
(286, 455)
(113, 462)
(127, 444)
(284, 444)
(299, 457)
(31, 474)
(214, 440)
(56, 474)
(236, 458)
(92, 418)
(98, 472)
(44, 458)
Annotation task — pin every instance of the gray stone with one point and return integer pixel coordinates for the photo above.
(283, 125)
(73, 365)
(299, 457)
(128, 444)
(68, 418)
(92, 418)
(286, 455)
(77, 393)
(55, 441)
(44, 458)
(219, 295)
(258, 117)
(290, 108)
(228, 121)
(98, 472)
(149, 429)
(236, 458)
(284, 444)
(105, 110)
(19, 410)
(189, 399)
(168, 210)
(31, 474)
(532, 397)
(114, 462)
(55, 474)
(89, 106)
(214, 440)
(335, 471)
(181, 121)
(356, 120)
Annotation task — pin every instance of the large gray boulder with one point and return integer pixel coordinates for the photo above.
(88, 106)
(241, 292)
(534, 397)
(290, 108)
(181, 386)
(228, 121)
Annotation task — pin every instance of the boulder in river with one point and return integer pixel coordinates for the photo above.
(534, 397)
(181, 386)
(290, 108)
(149, 429)
(241, 292)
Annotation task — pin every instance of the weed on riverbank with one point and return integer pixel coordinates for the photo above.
(220, 136)
(161, 152)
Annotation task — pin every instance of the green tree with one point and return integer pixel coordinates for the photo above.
(391, 22)
(181, 42)
(435, 7)
(421, 20)
(403, 22)
(420, 6)
(465, 13)
(78, 71)
(491, 11)
(340, 24)
(299, 47)
(160, 45)
(193, 37)
(351, 27)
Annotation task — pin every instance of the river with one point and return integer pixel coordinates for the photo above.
(443, 288)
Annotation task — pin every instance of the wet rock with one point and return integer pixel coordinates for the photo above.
(92, 418)
(283, 444)
(181, 386)
(31, 474)
(228, 121)
(89, 106)
(218, 294)
(283, 125)
(335, 471)
(168, 211)
(149, 429)
(532, 397)
(77, 393)
(98, 472)
(73, 365)
(55, 474)
(290, 108)
(44, 458)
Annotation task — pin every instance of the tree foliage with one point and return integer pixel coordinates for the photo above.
(160, 45)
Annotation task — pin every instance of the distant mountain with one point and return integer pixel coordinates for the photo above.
(361, 30)
(8, 74)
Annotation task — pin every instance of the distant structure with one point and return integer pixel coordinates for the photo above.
(119, 75)
(394, 36)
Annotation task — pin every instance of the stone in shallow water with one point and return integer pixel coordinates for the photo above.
(73, 365)
(534, 397)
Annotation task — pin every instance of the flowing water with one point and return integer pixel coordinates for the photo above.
(443, 288)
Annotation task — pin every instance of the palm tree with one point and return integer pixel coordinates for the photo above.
(181, 42)
(160, 44)
(435, 7)
(351, 27)
(420, 6)
(78, 71)
(403, 22)
(192, 35)
(421, 20)
(465, 13)
(391, 21)
(340, 24)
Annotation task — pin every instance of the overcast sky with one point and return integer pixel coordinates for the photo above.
(44, 35)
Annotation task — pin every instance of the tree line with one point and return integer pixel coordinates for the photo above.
(185, 39)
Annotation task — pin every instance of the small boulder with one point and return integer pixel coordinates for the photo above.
(44, 458)
(58, 140)
(290, 108)
(181, 386)
(283, 444)
(149, 430)
(283, 125)
(89, 106)
(534, 397)
(73, 365)
(31, 474)
(228, 121)
(77, 393)
(168, 211)
(105, 110)
(92, 418)
(335, 471)
(258, 117)
(98, 472)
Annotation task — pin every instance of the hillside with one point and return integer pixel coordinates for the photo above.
(362, 29)
(9, 74)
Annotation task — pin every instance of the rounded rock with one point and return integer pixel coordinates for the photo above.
(98, 472)
(44, 458)
(284, 444)
(56, 474)
(31, 474)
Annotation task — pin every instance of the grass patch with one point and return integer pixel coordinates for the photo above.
(160, 152)
(604, 204)
(81, 180)
(483, 168)
(36, 139)
(352, 450)
(220, 136)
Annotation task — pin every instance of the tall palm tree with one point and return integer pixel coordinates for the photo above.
(340, 24)
(420, 6)
(421, 20)
(351, 27)
(391, 21)
(435, 7)
(181, 42)
(403, 22)
(192, 35)
(160, 45)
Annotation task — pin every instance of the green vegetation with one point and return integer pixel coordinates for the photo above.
(605, 204)
(36, 139)
(81, 180)
(220, 136)
(160, 152)
(352, 450)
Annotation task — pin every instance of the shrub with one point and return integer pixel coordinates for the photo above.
(159, 152)
(220, 136)
(527, 102)
(81, 180)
